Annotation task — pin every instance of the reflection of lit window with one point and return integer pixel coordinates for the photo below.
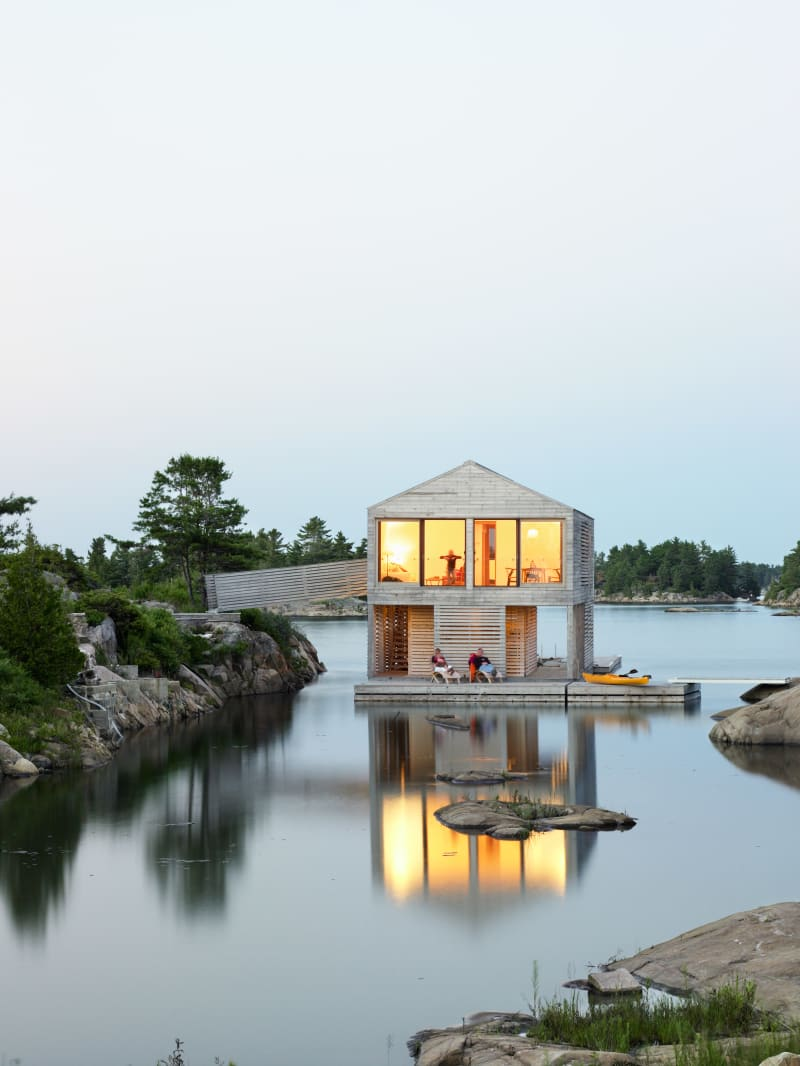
(398, 551)
(546, 861)
(445, 549)
(420, 855)
(403, 860)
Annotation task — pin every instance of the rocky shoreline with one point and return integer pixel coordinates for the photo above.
(117, 701)
(760, 945)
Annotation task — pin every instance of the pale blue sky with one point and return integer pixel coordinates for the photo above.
(347, 246)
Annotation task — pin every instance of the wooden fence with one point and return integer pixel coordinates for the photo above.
(289, 585)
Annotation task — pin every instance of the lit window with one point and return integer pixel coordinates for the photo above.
(398, 551)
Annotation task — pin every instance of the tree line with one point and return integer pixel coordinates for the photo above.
(188, 527)
(680, 566)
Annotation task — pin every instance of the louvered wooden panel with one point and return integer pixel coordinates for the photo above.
(588, 636)
(531, 641)
(460, 629)
(391, 640)
(584, 563)
(420, 641)
(287, 585)
(522, 657)
(515, 641)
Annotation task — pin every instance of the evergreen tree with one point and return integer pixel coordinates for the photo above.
(34, 628)
(341, 547)
(313, 543)
(190, 522)
(269, 550)
(9, 530)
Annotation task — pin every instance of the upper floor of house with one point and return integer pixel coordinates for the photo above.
(471, 528)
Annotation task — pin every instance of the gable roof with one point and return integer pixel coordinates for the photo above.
(475, 484)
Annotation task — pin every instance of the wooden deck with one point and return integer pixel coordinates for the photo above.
(553, 691)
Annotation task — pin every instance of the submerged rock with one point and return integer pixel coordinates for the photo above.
(506, 820)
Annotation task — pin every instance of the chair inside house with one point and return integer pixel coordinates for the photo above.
(533, 574)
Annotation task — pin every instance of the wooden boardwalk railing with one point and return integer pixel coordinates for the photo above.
(293, 585)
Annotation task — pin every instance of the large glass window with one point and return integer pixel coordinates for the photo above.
(495, 552)
(540, 551)
(445, 550)
(398, 551)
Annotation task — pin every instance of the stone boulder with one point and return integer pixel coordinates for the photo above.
(774, 720)
(12, 764)
(516, 821)
(760, 945)
(501, 1043)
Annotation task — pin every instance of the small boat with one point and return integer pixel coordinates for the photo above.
(617, 679)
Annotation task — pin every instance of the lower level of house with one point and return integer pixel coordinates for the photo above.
(402, 638)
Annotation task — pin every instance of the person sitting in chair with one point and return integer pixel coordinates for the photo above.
(441, 666)
(480, 664)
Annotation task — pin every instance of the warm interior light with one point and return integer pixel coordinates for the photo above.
(533, 532)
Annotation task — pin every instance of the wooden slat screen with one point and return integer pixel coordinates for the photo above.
(588, 636)
(531, 642)
(391, 640)
(288, 585)
(522, 656)
(420, 641)
(584, 561)
(459, 631)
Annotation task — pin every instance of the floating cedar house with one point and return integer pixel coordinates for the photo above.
(467, 559)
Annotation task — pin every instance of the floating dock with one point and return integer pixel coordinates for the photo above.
(564, 693)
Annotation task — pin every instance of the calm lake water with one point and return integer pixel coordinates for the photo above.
(270, 885)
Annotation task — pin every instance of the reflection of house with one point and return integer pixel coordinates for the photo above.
(466, 559)
(414, 855)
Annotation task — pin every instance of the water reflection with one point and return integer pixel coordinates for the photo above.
(413, 855)
(39, 834)
(189, 797)
(777, 762)
(193, 787)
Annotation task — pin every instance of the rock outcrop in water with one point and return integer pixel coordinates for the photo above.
(507, 820)
(774, 720)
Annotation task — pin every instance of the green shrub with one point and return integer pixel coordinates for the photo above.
(19, 693)
(34, 628)
(148, 636)
(172, 591)
(628, 1024)
(277, 626)
(29, 711)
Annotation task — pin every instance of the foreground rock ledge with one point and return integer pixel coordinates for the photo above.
(502, 821)
(761, 945)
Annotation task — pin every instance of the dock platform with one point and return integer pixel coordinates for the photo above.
(564, 692)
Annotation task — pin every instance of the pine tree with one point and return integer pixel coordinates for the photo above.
(34, 628)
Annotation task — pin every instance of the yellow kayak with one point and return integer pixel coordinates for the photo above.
(616, 679)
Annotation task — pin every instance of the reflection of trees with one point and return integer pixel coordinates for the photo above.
(202, 777)
(199, 837)
(204, 780)
(778, 762)
(39, 834)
